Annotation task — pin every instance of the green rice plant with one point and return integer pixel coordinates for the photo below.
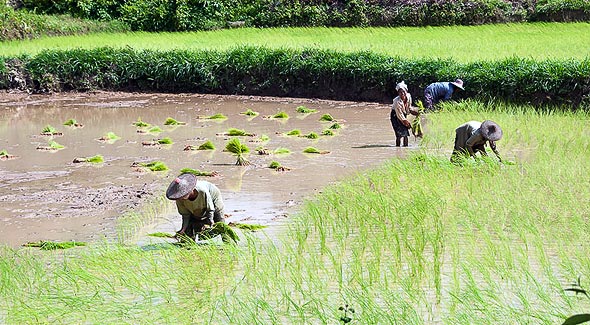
(52, 245)
(239, 150)
(94, 159)
(155, 129)
(312, 135)
(171, 121)
(217, 116)
(238, 132)
(326, 118)
(294, 132)
(165, 140)
(162, 235)
(4, 153)
(141, 124)
(154, 166)
(281, 115)
(207, 145)
(48, 129)
(247, 226)
(314, 150)
(197, 172)
(249, 112)
(70, 122)
(335, 126)
(328, 132)
(274, 165)
(281, 151)
(264, 138)
(55, 145)
(305, 110)
(220, 229)
(110, 137)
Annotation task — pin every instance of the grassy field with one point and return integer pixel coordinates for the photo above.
(417, 241)
(462, 43)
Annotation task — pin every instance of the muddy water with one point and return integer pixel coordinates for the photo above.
(45, 196)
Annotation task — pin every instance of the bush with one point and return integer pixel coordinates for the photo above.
(361, 76)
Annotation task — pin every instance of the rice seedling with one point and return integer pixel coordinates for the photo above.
(262, 138)
(155, 129)
(238, 133)
(52, 146)
(314, 150)
(220, 229)
(326, 118)
(198, 172)
(247, 226)
(249, 112)
(171, 121)
(52, 245)
(73, 123)
(328, 132)
(305, 110)
(335, 126)
(161, 235)
(94, 159)
(218, 116)
(278, 167)
(239, 150)
(281, 151)
(50, 130)
(110, 137)
(165, 140)
(4, 155)
(294, 132)
(155, 166)
(141, 124)
(207, 145)
(281, 115)
(311, 135)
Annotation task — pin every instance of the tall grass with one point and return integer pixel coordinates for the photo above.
(461, 43)
(416, 241)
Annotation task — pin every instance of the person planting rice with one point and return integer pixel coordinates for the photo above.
(199, 203)
(440, 91)
(400, 109)
(472, 136)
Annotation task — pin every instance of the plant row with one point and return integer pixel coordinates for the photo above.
(20, 24)
(186, 15)
(311, 73)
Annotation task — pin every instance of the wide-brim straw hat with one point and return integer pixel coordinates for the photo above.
(181, 186)
(491, 131)
(458, 83)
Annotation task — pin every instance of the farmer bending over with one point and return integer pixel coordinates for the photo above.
(401, 107)
(440, 91)
(199, 202)
(472, 136)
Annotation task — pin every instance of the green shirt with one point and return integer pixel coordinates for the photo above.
(208, 199)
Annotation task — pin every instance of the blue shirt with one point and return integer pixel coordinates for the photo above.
(440, 91)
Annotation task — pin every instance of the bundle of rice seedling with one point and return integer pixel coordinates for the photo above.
(294, 132)
(207, 145)
(328, 132)
(327, 118)
(166, 140)
(314, 150)
(335, 126)
(237, 133)
(154, 166)
(237, 148)
(94, 159)
(197, 172)
(305, 110)
(247, 226)
(312, 135)
(249, 112)
(217, 116)
(51, 245)
(220, 228)
(281, 115)
(279, 151)
(73, 123)
(171, 121)
(155, 129)
(141, 124)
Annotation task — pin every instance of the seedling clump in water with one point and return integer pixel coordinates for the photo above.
(154, 166)
(198, 172)
(50, 245)
(94, 159)
(281, 115)
(335, 126)
(294, 132)
(217, 116)
(305, 110)
(249, 112)
(312, 135)
(328, 132)
(53, 146)
(208, 145)
(4, 155)
(50, 130)
(327, 118)
(140, 123)
(237, 148)
(73, 123)
(171, 121)
(314, 150)
(237, 133)
(279, 151)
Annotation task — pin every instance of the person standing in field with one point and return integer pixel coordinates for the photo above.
(440, 91)
(471, 137)
(399, 112)
(199, 203)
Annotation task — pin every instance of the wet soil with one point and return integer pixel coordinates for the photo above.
(44, 195)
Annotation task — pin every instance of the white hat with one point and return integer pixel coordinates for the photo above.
(401, 85)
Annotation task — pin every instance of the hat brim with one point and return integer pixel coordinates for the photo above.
(491, 131)
(457, 85)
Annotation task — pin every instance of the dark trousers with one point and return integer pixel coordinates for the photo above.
(195, 226)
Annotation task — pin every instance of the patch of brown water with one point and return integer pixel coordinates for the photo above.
(45, 196)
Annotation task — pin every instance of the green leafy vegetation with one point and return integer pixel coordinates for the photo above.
(48, 129)
(305, 110)
(52, 245)
(326, 118)
(238, 132)
(312, 135)
(70, 122)
(197, 172)
(155, 129)
(249, 112)
(239, 150)
(207, 145)
(294, 132)
(55, 145)
(155, 166)
(165, 140)
(171, 121)
(282, 151)
(274, 164)
(328, 132)
(335, 126)
(217, 116)
(281, 115)
(141, 124)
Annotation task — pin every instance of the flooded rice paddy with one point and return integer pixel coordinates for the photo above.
(45, 195)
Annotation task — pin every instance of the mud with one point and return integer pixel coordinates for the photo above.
(44, 195)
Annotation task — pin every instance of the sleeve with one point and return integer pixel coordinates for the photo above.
(398, 107)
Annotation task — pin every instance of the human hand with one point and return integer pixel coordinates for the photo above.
(406, 123)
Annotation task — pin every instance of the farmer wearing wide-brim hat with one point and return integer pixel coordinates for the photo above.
(440, 91)
(199, 203)
(472, 136)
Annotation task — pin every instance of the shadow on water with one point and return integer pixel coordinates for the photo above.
(369, 146)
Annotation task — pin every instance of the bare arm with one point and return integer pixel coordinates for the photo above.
(495, 150)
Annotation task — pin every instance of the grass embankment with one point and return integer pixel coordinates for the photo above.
(418, 241)
(460, 43)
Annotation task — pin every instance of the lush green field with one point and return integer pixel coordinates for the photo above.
(462, 43)
(418, 241)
